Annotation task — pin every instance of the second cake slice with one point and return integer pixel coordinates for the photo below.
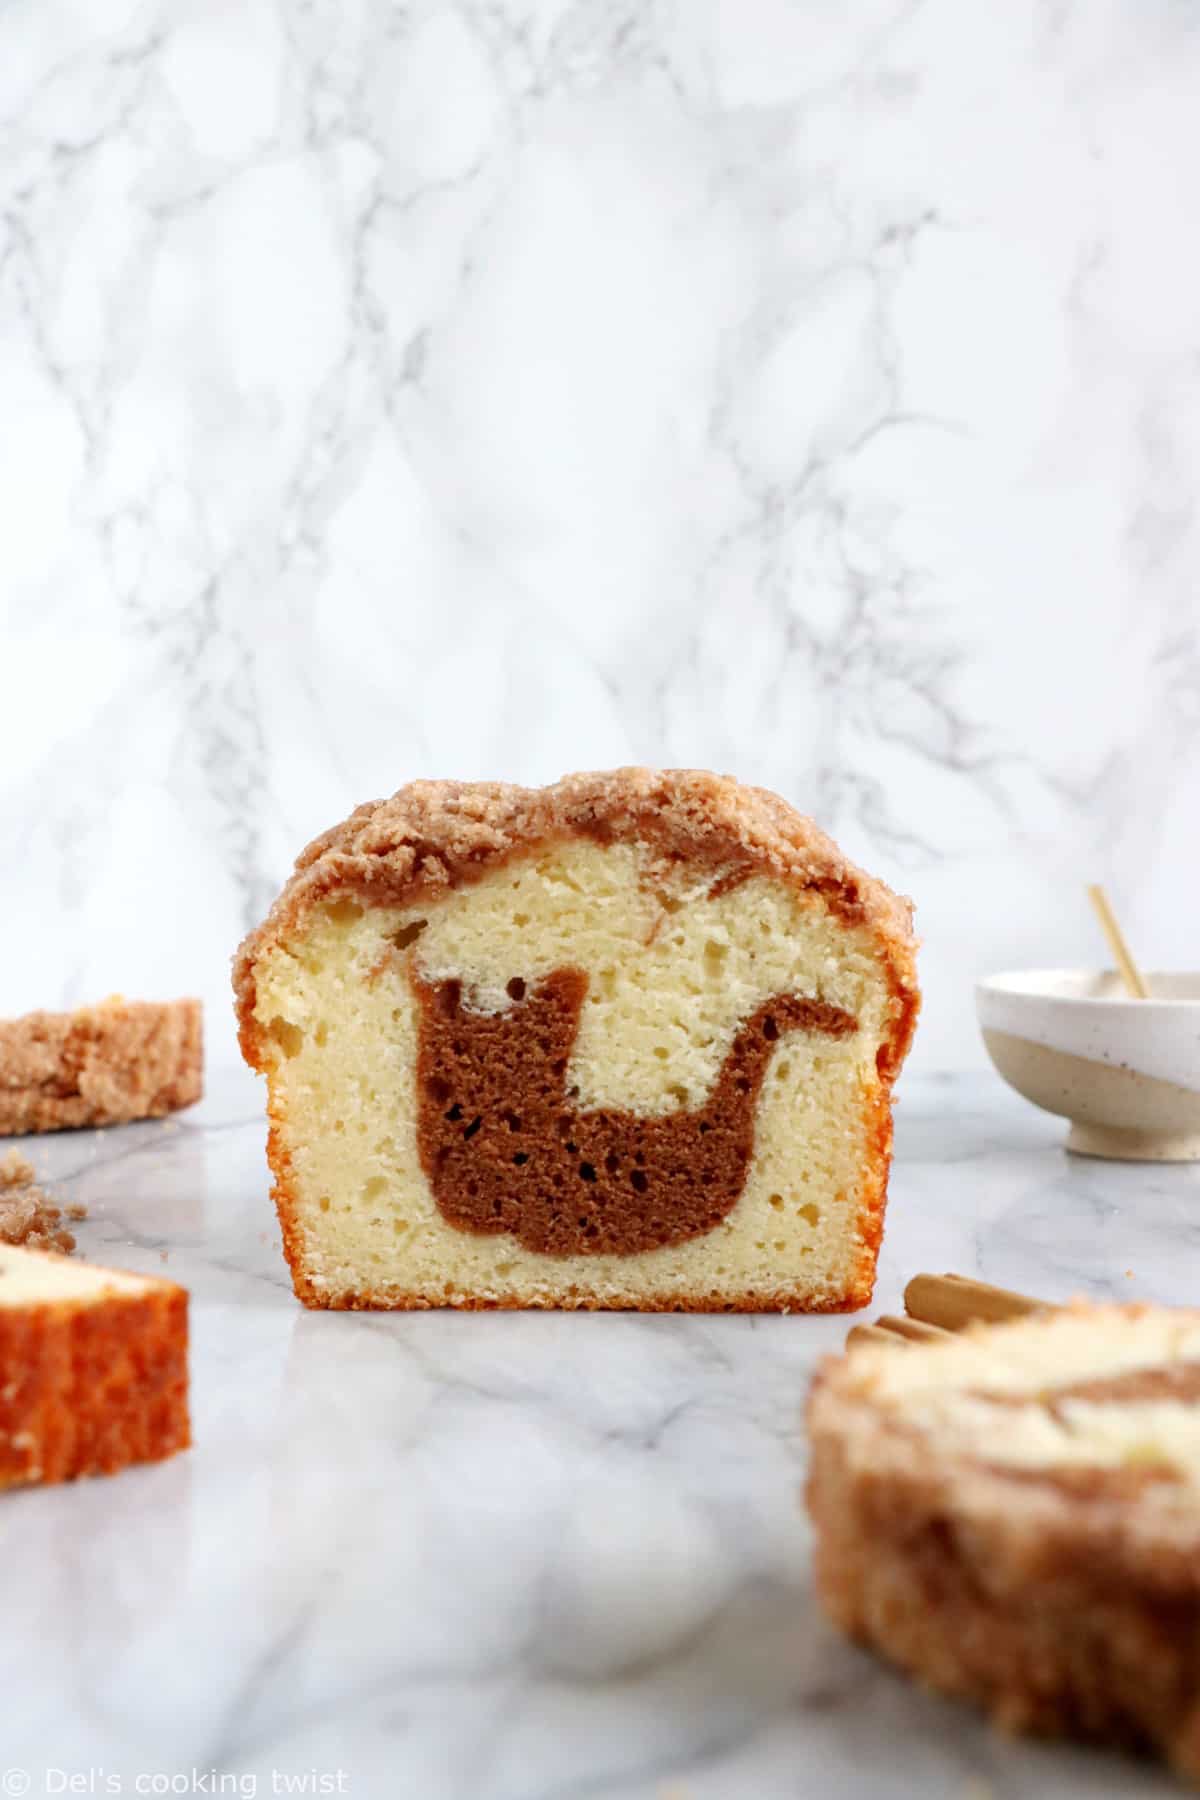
(93, 1369)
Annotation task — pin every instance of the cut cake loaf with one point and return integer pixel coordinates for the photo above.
(627, 1041)
(100, 1065)
(93, 1369)
(1013, 1516)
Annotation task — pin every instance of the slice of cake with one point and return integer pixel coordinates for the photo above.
(1014, 1516)
(100, 1065)
(93, 1369)
(627, 1041)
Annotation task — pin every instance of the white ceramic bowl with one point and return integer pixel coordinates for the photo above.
(1125, 1072)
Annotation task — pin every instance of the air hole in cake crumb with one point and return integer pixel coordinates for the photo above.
(289, 1037)
(678, 1092)
(438, 1090)
(399, 1225)
(373, 1188)
(776, 1201)
(586, 1172)
(511, 1120)
(639, 1156)
(407, 934)
(472, 1128)
(455, 1112)
(323, 1203)
(770, 1029)
(810, 1211)
(638, 1179)
(783, 1071)
(321, 1034)
(704, 1127)
(520, 919)
(516, 988)
(521, 1158)
(343, 912)
(612, 1162)
(572, 1149)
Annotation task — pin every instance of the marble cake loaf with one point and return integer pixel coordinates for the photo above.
(1014, 1516)
(626, 1041)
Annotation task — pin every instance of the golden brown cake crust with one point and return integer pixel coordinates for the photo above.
(100, 1065)
(1064, 1606)
(90, 1386)
(434, 835)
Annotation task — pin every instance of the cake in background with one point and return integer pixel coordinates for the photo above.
(100, 1065)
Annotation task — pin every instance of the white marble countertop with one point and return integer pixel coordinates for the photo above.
(523, 1557)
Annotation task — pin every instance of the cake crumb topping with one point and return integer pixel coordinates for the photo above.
(28, 1216)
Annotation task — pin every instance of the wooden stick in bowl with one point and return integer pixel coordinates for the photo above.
(1131, 975)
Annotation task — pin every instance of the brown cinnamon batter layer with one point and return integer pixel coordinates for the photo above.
(506, 1150)
(1170, 1381)
(1089, 1481)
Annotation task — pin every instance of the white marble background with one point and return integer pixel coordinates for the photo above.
(809, 391)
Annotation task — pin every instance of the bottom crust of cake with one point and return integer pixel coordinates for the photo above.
(1034, 1612)
(777, 1300)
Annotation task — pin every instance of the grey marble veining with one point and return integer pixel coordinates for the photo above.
(525, 1557)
